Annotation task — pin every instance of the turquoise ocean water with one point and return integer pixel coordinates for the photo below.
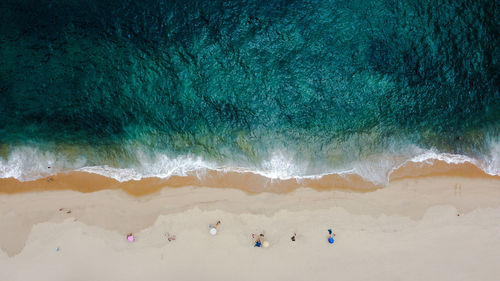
(135, 88)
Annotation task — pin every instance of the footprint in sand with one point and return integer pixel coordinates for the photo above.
(457, 189)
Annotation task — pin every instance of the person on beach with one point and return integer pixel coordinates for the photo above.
(331, 235)
(258, 241)
(293, 237)
(213, 228)
(66, 210)
(170, 237)
(130, 237)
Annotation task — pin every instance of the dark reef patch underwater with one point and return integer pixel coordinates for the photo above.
(134, 88)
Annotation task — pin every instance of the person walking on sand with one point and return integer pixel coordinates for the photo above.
(213, 228)
(331, 235)
(293, 237)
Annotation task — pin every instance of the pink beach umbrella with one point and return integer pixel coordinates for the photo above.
(130, 238)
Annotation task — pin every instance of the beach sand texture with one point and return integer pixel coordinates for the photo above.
(434, 228)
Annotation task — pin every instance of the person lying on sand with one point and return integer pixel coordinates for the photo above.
(66, 210)
(213, 228)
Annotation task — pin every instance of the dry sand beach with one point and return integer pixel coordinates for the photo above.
(431, 228)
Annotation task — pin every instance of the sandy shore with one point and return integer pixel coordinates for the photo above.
(434, 228)
(247, 181)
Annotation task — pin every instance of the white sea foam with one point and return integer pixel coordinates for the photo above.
(28, 163)
(281, 166)
(375, 171)
(491, 163)
(449, 158)
(160, 166)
